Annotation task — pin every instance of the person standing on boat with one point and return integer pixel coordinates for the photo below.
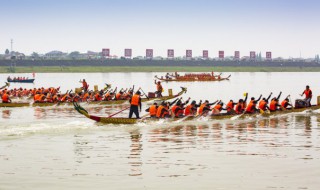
(135, 103)
(308, 94)
(159, 88)
(85, 85)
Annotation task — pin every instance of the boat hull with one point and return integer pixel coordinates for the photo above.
(122, 120)
(193, 79)
(22, 81)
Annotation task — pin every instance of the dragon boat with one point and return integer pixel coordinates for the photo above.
(21, 80)
(111, 102)
(193, 78)
(123, 120)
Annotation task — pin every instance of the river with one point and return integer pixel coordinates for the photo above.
(57, 148)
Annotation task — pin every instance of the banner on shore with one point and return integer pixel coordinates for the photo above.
(188, 53)
(105, 52)
(205, 54)
(170, 53)
(221, 54)
(237, 55)
(268, 55)
(149, 53)
(252, 55)
(128, 52)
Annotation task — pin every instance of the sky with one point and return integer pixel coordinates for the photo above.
(287, 28)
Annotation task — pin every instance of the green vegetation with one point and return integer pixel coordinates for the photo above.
(87, 69)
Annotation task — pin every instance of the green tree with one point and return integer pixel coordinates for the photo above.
(74, 54)
(35, 55)
(7, 52)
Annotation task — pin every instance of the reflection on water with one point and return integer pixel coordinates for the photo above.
(135, 153)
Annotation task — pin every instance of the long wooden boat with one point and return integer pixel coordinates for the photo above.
(21, 81)
(193, 79)
(122, 120)
(27, 104)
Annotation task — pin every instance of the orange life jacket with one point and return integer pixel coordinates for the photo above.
(201, 108)
(218, 107)
(159, 87)
(118, 96)
(153, 110)
(262, 105)
(97, 97)
(308, 93)
(273, 105)
(159, 110)
(135, 100)
(239, 108)
(250, 107)
(36, 97)
(188, 110)
(284, 103)
(230, 106)
(5, 98)
(173, 109)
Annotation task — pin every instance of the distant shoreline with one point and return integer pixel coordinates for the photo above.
(93, 69)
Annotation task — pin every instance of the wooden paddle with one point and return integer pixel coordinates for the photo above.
(144, 93)
(119, 112)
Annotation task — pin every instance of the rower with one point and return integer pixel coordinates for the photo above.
(308, 93)
(5, 97)
(230, 107)
(263, 104)
(153, 110)
(191, 109)
(205, 108)
(239, 107)
(135, 101)
(274, 104)
(178, 109)
(251, 108)
(218, 108)
(162, 110)
(159, 88)
(285, 103)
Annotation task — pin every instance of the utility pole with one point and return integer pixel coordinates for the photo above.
(11, 45)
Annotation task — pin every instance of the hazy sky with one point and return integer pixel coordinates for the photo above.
(285, 27)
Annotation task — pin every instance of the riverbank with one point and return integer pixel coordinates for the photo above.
(88, 69)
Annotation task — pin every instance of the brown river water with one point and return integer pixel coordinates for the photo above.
(57, 148)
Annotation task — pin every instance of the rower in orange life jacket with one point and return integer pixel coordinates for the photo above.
(251, 108)
(263, 104)
(230, 107)
(178, 109)
(274, 104)
(239, 109)
(308, 93)
(153, 110)
(119, 95)
(218, 108)
(5, 97)
(285, 103)
(135, 103)
(192, 108)
(205, 107)
(161, 109)
(159, 88)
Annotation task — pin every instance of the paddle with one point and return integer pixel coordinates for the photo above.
(119, 112)
(291, 102)
(144, 93)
